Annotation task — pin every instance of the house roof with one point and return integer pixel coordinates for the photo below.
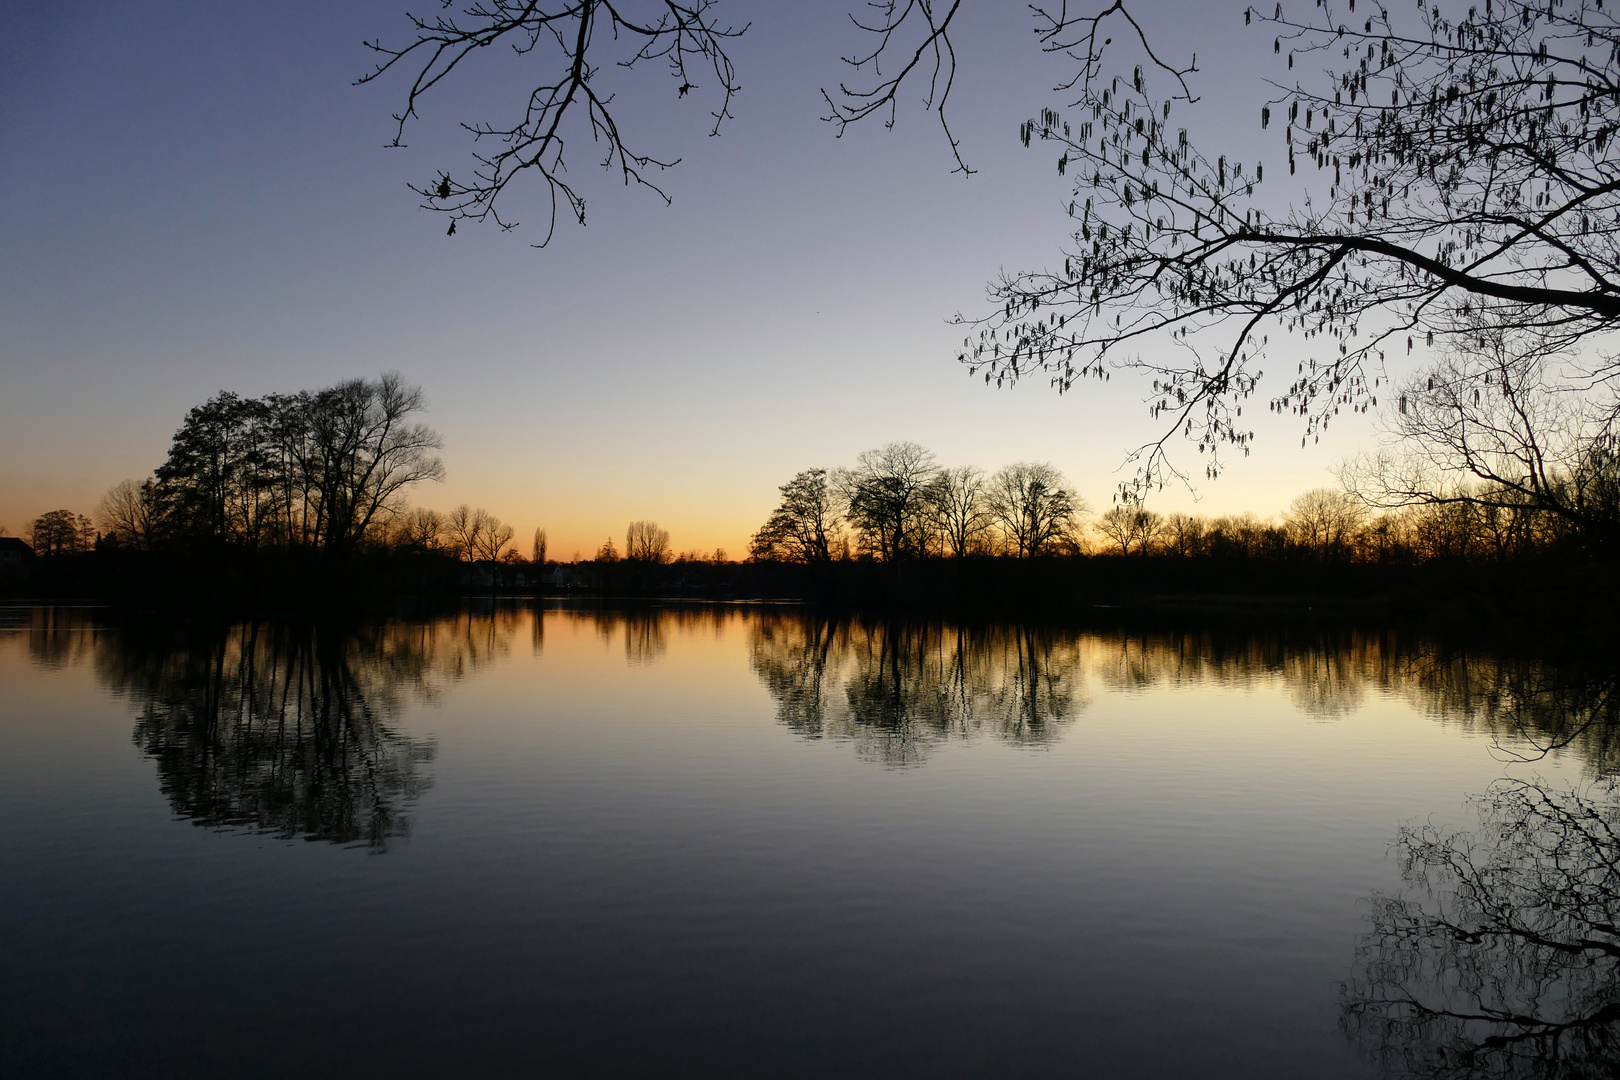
(15, 545)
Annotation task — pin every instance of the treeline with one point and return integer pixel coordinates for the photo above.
(898, 503)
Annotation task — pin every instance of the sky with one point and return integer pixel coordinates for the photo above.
(201, 200)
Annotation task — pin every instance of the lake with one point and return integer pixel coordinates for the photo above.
(751, 840)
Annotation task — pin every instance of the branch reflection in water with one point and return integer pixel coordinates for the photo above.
(1502, 956)
(286, 729)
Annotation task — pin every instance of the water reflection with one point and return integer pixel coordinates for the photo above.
(58, 637)
(286, 729)
(896, 691)
(289, 730)
(1502, 957)
(1327, 672)
(1534, 709)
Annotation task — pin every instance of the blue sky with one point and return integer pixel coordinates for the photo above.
(200, 200)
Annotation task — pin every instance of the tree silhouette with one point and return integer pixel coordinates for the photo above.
(1033, 506)
(958, 503)
(320, 469)
(887, 499)
(1130, 527)
(804, 526)
(61, 532)
(644, 541)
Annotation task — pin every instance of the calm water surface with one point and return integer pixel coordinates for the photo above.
(742, 840)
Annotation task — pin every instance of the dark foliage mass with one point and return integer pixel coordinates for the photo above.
(288, 729)
(317, 470)
(275, 730)
(897, 503)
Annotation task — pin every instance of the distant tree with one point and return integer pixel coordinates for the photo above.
(886, 496)
(644, 541)
(1033, 506)
(1243, 536)
(61, 532)
(804, 526)
(1325, 522)
(1131, 527)
(538, 552)
(1492, 428)
(420, 530)
(319, 469)
(1183, 534)
(369, 452)
(958, 504)
(131, 513)
(220, 482)
(607, 552)
(466, 529)
(490, 543)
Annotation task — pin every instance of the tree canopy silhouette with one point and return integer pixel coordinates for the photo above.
(314, 469)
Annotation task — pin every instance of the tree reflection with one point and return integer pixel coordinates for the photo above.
(1502, 958)
(58, 637)
(1532, 708)
(1326, 673)
(285, 729)
(898, 690)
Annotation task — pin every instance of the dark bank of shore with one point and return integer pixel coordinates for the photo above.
(1561, 596)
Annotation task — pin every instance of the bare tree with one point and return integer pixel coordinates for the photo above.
(131, 513)
(804, 525)
(1184, 534)
(1324, 522)
(958, 503)
(644, 541)
(538, 552)
(466, 529)
(1033, 506)
(1494, 428)
(887, 499)
(492, 540)
(1130, 526)
(1243, 536)
(421, 529)
(368, 452)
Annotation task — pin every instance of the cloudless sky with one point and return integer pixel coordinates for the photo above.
(199, 199)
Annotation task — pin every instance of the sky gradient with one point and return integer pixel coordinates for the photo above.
(202, 201)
